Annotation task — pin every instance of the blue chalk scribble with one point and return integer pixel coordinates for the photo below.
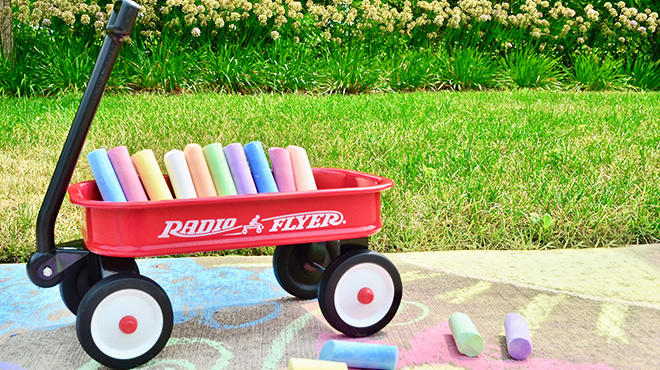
(196, 293)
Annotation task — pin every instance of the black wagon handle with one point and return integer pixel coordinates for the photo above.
(120, 25)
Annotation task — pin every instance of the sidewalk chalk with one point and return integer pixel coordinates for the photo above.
(105, 176)
(518, 338)
(302, 171)
(128, 178)
(361, 355)
(305, 364)
(282, 169)
(199, 171)
(151, 175)
(177, 169)
(261, 173)
(215, 159)
(239, 168)
(467, 338)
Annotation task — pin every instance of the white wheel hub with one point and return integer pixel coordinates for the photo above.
(108, 324)
(350, 291)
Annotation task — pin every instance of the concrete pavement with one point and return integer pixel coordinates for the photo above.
(587, 309)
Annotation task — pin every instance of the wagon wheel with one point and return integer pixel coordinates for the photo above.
(360, 293)
(124, 320)
(294, 268)
(77, 281)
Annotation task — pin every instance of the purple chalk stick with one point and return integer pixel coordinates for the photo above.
(240, 169)
(518, 339)
(282, 169)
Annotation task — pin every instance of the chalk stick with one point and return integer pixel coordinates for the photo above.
(361, 355)
(151, 176)
(302, 171)
(518, 339)
(239, 168)
(105, 176)
(261, 172)
(128, 178)
(215, 159)
(199, 171)
(177, 168)
(466, 336)
(282, 169)
(305, 364)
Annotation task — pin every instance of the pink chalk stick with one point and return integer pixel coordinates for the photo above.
(282, 169)
(302, 171)
(128, 177)
(199, 170)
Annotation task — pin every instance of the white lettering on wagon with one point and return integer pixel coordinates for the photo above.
(288, 222)
(306, 220)
(198, 228)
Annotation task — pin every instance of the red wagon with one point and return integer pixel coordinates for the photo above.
(124, 319)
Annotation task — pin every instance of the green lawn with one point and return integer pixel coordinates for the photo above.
(472, 170)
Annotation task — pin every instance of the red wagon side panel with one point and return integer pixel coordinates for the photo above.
(346, 206)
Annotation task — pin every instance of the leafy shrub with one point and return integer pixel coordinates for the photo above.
(528, 68)
(644, 72)
(592, 72)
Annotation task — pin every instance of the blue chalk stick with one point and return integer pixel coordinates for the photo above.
(261, 173)
(105, 176)
(361, 355)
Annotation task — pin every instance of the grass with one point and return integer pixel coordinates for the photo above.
(473, 170)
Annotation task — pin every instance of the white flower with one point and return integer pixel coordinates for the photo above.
(196, 32)
(275, 35)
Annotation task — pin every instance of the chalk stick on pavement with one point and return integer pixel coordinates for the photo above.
(199, 171)
(261, 172)
(518, 338)
(282, 169)
(361, 355)
(240, 169)
(127, 175)
(105, 176)
(215, 159)
(302, 171)
(151, 176)
(177, 168)
(305, 364)
(467, 338)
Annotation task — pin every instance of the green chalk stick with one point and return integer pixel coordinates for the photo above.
(467, 338)
(215, 158)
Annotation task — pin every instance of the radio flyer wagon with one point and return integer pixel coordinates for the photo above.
(124, 319)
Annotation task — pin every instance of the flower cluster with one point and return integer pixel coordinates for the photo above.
(338, 19)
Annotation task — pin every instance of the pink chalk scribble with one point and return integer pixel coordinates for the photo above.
(436, 346)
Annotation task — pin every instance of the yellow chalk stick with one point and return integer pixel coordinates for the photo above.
(151, 176)
(305, 364)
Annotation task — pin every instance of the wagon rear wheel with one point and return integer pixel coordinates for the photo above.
(294, 268)
(360, 293)
(124, 320)
(79, 278)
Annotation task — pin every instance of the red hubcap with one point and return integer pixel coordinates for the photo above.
(128, 324)
(365, 296)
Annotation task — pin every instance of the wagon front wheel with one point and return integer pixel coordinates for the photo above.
(294, 268)
(124, 321)
(360, 293)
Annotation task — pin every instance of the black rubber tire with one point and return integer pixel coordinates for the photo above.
(77, 281)
(294, 273)
(327, 293)
(126, 283)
